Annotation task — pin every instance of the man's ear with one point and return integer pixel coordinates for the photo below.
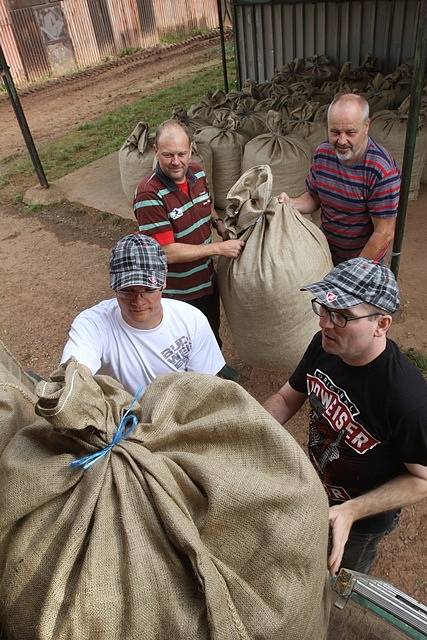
(383, 325)
(155, 148)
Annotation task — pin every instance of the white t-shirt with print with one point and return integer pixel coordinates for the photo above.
(101, 339)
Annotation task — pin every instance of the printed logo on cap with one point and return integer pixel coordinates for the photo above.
(330, 296)
(152, 279)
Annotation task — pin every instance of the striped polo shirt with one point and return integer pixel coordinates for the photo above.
(350, 196)
(167, 214)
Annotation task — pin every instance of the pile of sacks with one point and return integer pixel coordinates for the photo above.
(205, 521)
(281, 122)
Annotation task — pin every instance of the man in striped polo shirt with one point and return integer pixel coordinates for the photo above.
(173, 206)
(355, 182)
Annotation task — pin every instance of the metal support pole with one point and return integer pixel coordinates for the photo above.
(223, 55)
(236, 46)
(20, 116)
(411, 132)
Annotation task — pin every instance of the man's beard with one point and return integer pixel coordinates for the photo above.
(345, 154)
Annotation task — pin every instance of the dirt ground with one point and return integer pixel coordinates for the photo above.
(53, 264)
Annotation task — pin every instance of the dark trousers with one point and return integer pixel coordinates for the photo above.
(361, 549)
(209, 305)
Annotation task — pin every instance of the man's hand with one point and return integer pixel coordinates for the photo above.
(283, 198)
(222, 230)
(341, 519)
(230, 248)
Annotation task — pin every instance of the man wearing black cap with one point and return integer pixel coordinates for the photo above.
(137, 336)
(368, 410)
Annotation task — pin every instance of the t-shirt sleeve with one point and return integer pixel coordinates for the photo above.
(383, 199)
(410, 436)
(206, 356)
(298, 379)
(84, 343)
(310, 181)
(152, 216)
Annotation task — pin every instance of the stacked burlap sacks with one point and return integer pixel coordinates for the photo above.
(136, 158)
(271, 321)
(288, 156)
(207, 522)
(388, 128)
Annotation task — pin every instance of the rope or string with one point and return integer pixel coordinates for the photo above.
(127, 425)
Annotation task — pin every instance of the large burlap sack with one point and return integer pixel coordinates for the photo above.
(136, 158)
(389, 129)
(318, 69)
(271, 321)
(207, 522)
(226, 144)
(288, 156)
(301, 123)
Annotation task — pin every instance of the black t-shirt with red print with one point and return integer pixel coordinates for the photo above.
(365, 422)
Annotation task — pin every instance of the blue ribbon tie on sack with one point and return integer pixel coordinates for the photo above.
(127, 425)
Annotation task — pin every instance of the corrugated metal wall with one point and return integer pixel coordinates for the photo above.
(9, 45)
(269, 34)
(80, 33)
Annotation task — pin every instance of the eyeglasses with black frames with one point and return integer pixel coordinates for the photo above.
(338, 318)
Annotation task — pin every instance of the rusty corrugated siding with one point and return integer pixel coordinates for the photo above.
(182, 16)
(269, 34)
(81, 30)
(9, 45)
(29, 44)
(97, 29)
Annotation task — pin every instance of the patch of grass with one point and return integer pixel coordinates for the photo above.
(85, 126)
(175, 38)
(419, 359)
(18, 197)
(128, 51)
(33, 208)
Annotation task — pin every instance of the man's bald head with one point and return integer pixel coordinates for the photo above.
(171, 128)
(350, 102)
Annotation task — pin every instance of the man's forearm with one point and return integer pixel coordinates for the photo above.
(276, 406)
(399, 492)
(179, 252)
(305, 203)
(376, 246)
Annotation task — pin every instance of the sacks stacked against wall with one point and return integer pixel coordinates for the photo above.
(208, 521)
(300, 92)
(270, 319)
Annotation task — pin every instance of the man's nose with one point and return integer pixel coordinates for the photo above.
(342, 139)
(325, 322)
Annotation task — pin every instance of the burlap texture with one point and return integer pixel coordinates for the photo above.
(301, 123)
(226, 145)
(208, 522)
(204, 111)
(288, 157)
(270, 319)
(388, 128)
(136, 158)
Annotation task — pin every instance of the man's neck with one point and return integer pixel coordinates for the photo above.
(368, 356)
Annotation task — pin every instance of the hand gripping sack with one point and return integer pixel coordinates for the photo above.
(206, 522)
(271, 321)
(288, 156)
(136, 158)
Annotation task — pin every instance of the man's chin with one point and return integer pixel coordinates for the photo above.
(344, 157)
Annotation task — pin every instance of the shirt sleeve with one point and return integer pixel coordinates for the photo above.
(84, 343)
(151, 214)
(206, 356)
(383, 199)
(310, 181)
(410, 437)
